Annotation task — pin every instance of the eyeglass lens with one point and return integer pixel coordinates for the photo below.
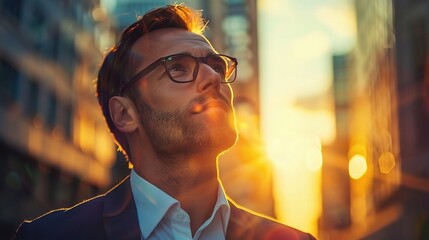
(182, 67)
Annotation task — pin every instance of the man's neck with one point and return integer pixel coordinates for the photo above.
(193, 183)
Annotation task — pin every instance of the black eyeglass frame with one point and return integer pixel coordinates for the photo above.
(198, 60)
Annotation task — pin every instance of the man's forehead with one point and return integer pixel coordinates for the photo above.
(167, 33)
(170, 39)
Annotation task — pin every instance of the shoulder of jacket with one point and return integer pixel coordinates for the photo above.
(64, 220)
(247, 224)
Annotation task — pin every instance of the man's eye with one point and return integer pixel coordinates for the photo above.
(176, 68)
(219, 68)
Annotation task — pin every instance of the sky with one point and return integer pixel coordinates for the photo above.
(297, 40)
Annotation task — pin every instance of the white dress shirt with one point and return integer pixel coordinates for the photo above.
(161, 217)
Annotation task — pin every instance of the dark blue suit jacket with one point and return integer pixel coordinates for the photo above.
(114, 216)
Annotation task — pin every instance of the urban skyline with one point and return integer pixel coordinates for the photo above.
(332, 106)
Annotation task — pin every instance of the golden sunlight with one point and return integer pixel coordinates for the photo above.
(313, 159)
(357, 166)
(297, 42)
(297, 159)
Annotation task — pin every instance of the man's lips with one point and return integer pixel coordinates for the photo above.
(198, 108)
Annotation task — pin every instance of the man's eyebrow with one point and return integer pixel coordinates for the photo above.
(190, 54)
(187, 53)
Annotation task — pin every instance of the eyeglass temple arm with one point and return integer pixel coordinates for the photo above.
(139, 75)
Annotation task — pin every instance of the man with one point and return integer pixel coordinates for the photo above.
(166, 96)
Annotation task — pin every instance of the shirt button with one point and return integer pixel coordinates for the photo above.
(180, 216)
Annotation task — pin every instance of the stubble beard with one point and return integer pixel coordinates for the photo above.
(173, 133)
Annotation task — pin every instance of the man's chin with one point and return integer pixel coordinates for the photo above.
(226, 140)
(226, 149)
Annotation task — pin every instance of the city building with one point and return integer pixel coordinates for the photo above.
(55, 147)
(411, 28)
(387, 137)
(335, 177)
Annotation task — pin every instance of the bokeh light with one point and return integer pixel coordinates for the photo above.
(357, 166)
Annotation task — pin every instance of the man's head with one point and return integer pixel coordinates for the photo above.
(141, 71)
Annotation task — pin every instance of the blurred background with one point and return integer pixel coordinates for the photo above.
(332, 98)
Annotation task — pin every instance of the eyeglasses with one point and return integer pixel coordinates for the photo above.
(183, 68)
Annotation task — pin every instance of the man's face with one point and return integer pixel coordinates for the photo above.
(183, 118)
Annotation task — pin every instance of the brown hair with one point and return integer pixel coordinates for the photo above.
(119, 64)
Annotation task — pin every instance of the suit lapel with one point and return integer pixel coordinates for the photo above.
(120, 214)
(235, 229)
(241, 225)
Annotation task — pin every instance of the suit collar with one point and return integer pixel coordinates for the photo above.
(237, 222)
(119, 213)
(121, 222)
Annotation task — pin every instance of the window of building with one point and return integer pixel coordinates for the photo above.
(67, 55)
(8, 82)
(68, 119)
(51, 46)
(51, 111)
(32, 102)
(37, 25)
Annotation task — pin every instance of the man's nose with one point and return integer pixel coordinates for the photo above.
(207, 77)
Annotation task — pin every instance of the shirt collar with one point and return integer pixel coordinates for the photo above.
(221, 212)
(153, 204)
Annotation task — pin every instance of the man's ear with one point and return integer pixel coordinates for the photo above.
(123, 114)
